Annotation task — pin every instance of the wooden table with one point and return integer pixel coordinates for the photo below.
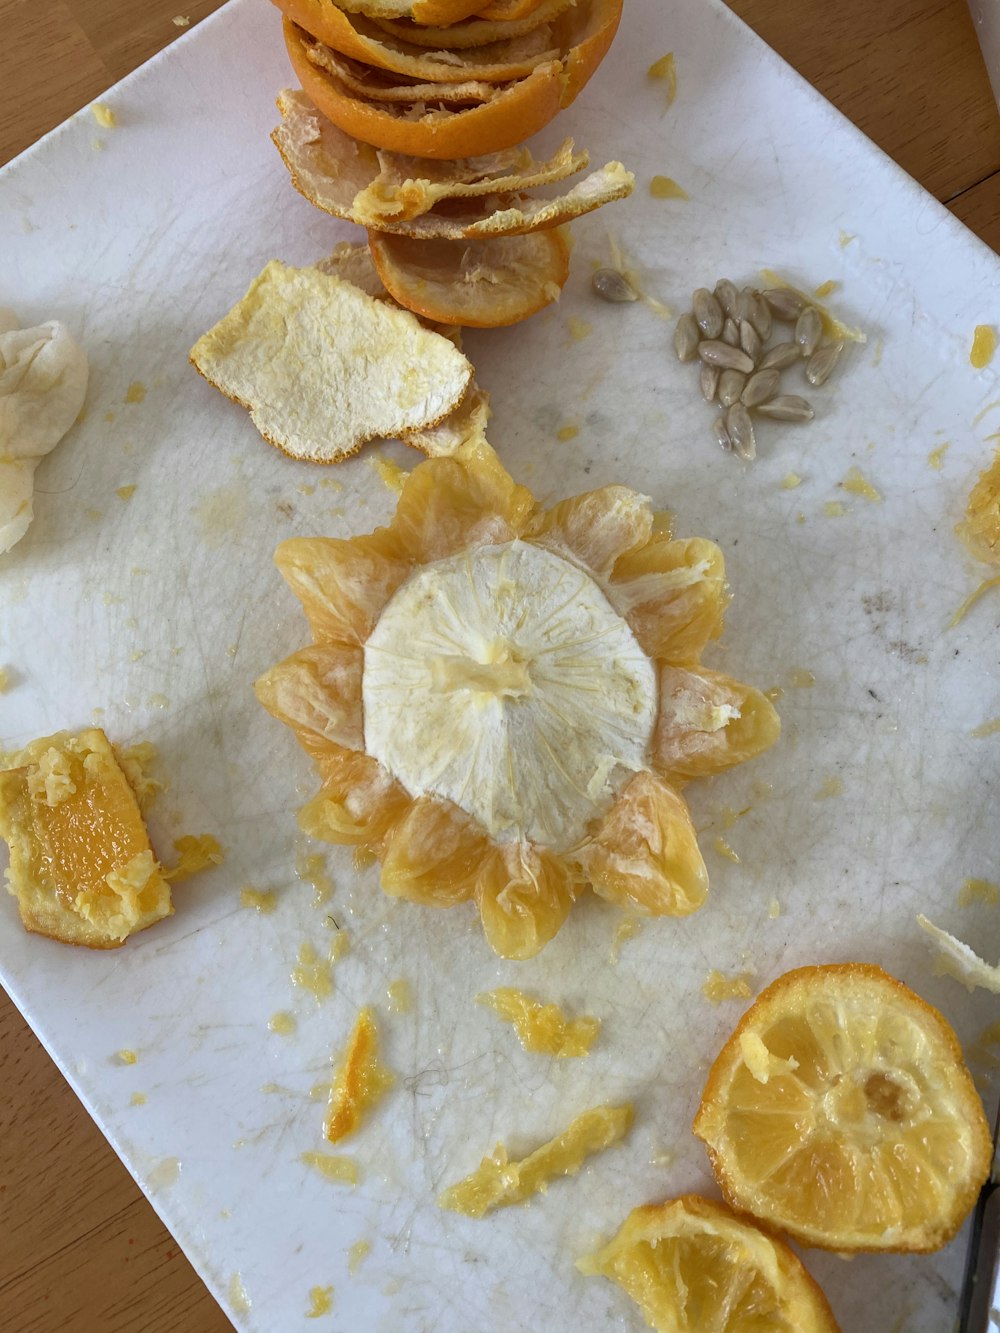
(80, 1248)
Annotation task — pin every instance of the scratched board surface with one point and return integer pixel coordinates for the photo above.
(154, 614)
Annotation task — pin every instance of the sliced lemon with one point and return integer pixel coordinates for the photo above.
(694, 1267)
(874, 1140)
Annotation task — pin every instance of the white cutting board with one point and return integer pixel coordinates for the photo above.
(140, 247)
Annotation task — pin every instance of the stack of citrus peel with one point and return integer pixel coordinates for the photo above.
(409, 121)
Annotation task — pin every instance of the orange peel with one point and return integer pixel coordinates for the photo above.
(475, 284)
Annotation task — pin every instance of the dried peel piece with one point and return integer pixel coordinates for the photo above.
(477, 283)
(397, 193)
(465, 428)
(354, 35)
(498, 1182)
(474, 31)
(323, 367)
(420, 11)
(81, 867)
(956, 959)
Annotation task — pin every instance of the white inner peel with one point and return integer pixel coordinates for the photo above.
(503, 680)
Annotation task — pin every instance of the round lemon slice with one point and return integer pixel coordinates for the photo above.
(840, 1110)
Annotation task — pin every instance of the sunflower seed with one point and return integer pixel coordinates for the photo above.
(686, 336)
(610, 285)
(746, 306)
(731, 333)
(707, 312)
(725, 357)
(731, 384)
(808, 330)
(761, 319)
(821, 364)
(785, 304)
(749, 340)
(760, 387)
(780, 356)
(787, 407)
(726, 294)
(722, 435)
(740, 429)
(709, 379)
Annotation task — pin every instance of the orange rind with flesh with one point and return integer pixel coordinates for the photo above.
(841, 1112)
(323, 367)
(693, 1266)
(508, 11)
(473, 32)
(399, 193)
(980, 528)
(81, 867)
(522, 105)
(476, 607)
(518, 111)
(362, 40)
(375, 85)
(480, 284)
(361, 1081)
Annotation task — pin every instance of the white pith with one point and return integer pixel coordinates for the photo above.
(503, 680)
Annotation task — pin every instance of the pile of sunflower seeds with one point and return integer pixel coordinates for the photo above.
(729, 330)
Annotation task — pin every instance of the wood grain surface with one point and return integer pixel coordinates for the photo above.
(80, 1248)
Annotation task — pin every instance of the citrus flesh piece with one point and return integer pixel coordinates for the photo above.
(673, 594)
(502, 680)
(595, 529)
(343, 583)
(644, 854)
(475, 284)
(693, 1266)
(398, 192)
(361, 1080)
(473, 31)
(358, 804)
(524, 895)
(542, 1029)
(875, 1140)
(498, 1182)
(323, 367)
(708, 723)
(356, 36)
(434, 854)
(81, 867)
(980, 528)
(317, 692)
(453, 504)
